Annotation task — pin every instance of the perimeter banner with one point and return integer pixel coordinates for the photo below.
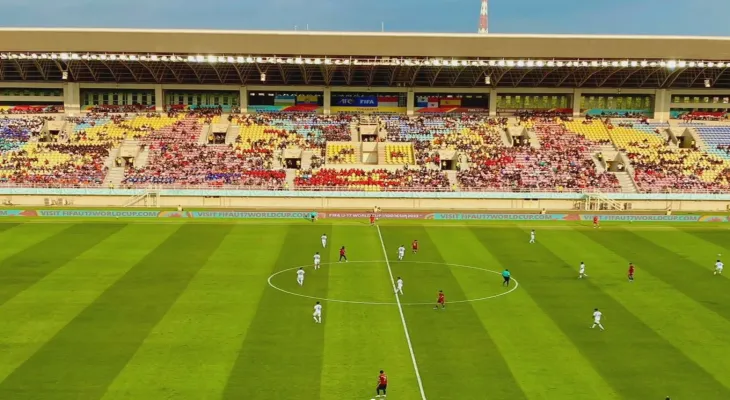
(500, 217)
(355, 215)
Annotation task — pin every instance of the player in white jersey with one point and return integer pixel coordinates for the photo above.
(317, 260)
(401, 252)
(597, 319)
(399, 284)
(532, 236)
(300, 276)
(317, 315)
(324, 240)
(582, 270)
(718, 267)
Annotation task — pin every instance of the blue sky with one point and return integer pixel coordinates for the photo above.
(665, 17)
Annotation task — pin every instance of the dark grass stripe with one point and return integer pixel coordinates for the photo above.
(626, 350)
(87, 354)
(281, 356)
(449, 344)
(676, 269)
(4, 226)
(23, 269)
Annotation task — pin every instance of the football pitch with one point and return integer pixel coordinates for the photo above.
(116, 309)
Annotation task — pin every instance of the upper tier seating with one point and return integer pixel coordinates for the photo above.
(339, 153)
(399, 154)
(717, 139)
(55, 165)
(561, 164)
(176, 159)
(659, 167)
(304, 130)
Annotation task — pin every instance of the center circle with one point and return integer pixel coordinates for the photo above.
(392, 303)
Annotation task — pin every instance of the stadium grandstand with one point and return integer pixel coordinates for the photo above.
(363, 112)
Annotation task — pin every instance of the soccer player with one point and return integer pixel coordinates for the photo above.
(382, 384)
(597, 319)
(414, 246)
(300, 276)
(596, 222)
(582, 271)
(532, 236)
(317, 315)
(718, 268)
(372, 219)
(317, 260)
(401, 252)
(343, 255)
(506, 275)
(631, 272)
(399, 286)
(324, 240)
(313, 216)
(441, 301)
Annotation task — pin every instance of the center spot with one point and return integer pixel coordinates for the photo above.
(357, 271)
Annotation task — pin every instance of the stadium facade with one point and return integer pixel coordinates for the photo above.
(574, 67)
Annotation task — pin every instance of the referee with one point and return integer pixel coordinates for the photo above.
(506, 275)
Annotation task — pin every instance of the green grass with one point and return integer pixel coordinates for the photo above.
(115, 309)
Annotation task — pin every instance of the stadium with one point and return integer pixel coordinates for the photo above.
(160, 189)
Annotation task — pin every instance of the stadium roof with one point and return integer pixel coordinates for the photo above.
(363, 59)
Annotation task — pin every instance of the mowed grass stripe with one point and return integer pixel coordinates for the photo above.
(85, 356)
(548, 367)
(4, 226)
(626, 350)
(35, 315)
(362, 339)
(23, 236)
(449, 344)
(281, 354)
(191, 352)
(25, 268)
(694, 330)
(675, 267)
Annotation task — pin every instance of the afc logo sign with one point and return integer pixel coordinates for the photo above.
(364, 101)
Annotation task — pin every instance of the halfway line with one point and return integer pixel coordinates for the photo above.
(402, 317)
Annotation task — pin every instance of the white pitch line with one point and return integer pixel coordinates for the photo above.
(402, 316)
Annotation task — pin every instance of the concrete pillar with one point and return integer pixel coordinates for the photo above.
(327, 100)
(662, 102)
(159, 99)
(493, 103)
(410, 102)
(243, 99)
(577, 95)
(72, 98)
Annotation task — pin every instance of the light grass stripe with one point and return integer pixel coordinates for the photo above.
(362, 339)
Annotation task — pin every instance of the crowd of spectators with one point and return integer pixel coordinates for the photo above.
(378, 179)
(561, 164)
(55, 165)
(194, 164)
(315, 129)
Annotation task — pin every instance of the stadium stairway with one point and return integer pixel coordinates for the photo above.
(204, 132)
(453, 180)
(290, 175)
(232, 133)
(627, 184)
(114, 176)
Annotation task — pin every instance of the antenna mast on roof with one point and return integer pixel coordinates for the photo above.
(484, 18)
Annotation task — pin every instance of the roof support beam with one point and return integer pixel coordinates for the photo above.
(23, 73)
(134, 75)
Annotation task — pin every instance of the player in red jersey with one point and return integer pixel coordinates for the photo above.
(631, 272)
(382, 384)
(441, 301)
(595, 222)
(372, 219)
(343, 255)
(414, 246)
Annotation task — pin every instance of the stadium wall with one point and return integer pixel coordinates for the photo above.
(350, 201)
